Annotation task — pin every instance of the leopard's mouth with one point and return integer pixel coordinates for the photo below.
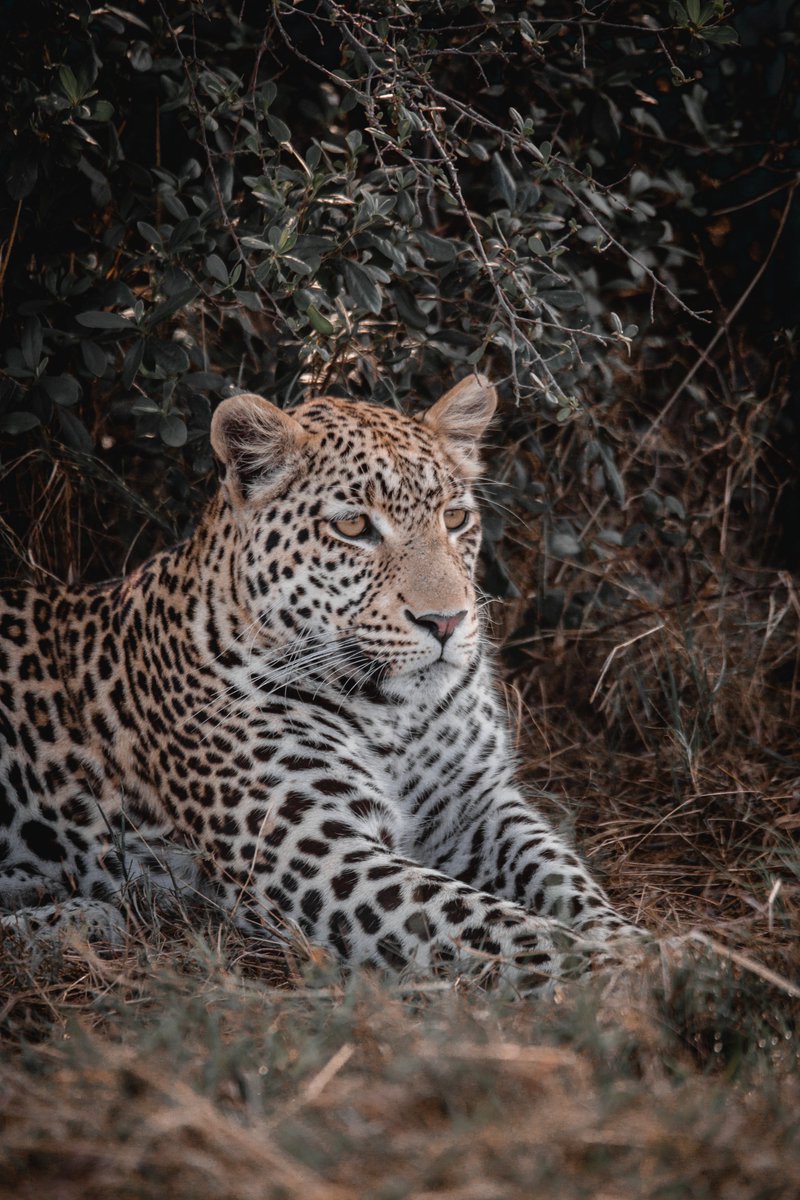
(372, 665)
(434, 668)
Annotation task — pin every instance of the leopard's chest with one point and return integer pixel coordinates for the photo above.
(429, 757)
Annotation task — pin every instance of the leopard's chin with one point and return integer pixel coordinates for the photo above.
(431, 683)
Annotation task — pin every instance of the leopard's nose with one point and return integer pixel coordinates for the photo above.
(441, 625)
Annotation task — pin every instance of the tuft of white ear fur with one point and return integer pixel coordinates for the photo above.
(461, 416)
(257, 445)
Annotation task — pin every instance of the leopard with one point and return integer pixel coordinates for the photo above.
(294, 712)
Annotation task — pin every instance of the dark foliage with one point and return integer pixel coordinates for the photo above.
(370, 199)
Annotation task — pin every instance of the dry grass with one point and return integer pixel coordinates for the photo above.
(168, 1071)
(683, 768)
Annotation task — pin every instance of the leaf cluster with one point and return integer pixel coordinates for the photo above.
(368, 199)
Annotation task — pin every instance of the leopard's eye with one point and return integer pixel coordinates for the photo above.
(352, 527)
(455, 518)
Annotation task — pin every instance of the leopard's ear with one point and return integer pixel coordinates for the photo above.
(461, 416)
(258, 447)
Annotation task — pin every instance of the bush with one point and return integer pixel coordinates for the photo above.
(368, 199)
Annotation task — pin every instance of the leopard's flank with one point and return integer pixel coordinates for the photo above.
(292, 711)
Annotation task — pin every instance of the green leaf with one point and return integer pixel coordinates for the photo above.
(172, 430)
(674, 506)
(286, 240)
(614, 480)
(144, 406)
(361, 287)
(176, 208)
(564, 544)
(408, 309)
(217, 269)
(131, 363)
(104, 320)
(15, 365)
(435, 248)
(140, 57)
(94, 357)
(168, 307)
(169, 357)
(250, 300)
(476, 355)
(566, 299)
(69, 84)
(504, 181)
(103, 110)
(149, 233)
(633, 535)
(18, 422)
(721, 35)
(320, 323)
(74, 432)
(296, 264)
(32, 343)
(652, 504)
(62, 389)
(278, 128)
(479, 151)
(255, 243)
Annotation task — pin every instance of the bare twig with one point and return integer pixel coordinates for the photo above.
(9, 246)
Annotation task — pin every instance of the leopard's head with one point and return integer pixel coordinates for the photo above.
(358, 533)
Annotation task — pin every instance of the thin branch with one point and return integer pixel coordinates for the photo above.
(721, 331)
(703, 357)
(9, 246)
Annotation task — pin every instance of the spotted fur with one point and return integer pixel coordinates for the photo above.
(292, 710)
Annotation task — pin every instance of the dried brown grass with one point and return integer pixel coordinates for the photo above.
(182, 1078)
